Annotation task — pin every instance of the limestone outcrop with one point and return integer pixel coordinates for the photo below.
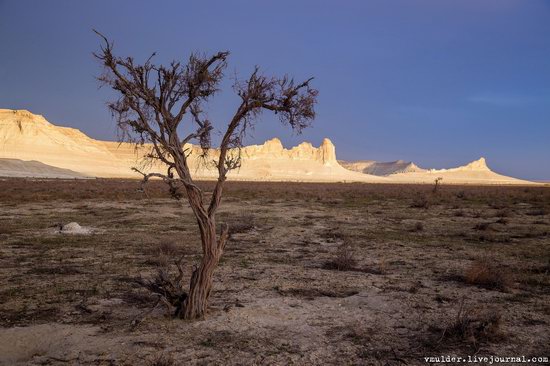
(26, 136)
(28, 140)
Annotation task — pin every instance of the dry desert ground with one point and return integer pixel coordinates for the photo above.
(314, 274)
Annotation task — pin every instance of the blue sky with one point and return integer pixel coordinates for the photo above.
(437, 82)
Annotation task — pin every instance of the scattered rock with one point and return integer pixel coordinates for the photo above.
(73, 228)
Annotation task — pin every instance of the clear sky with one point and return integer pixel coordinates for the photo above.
(437, 82)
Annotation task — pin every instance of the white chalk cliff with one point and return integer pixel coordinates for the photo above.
(25, 136)
(28, 137)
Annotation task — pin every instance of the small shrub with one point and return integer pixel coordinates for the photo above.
(381, 267)
(482, 226)
(473, 327)
(138, 299)
(503, 213)
(413, 289)
(344, 259)
(160, 255)
(167, 284)
(497, 205)
(441, 298)
(333, 235)
(485, 274)
(543, 269)
(477, 214)
(241, 223)
(420, 202)
(6, 228)
(461, 195)
(437, 182)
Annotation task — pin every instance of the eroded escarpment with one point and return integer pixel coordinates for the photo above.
(27, 137)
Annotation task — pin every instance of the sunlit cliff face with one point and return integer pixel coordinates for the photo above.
(26, 136)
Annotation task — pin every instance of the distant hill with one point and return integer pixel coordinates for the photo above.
(400, 171)
(381, 168)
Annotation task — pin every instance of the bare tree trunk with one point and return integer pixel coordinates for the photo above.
(196, 303)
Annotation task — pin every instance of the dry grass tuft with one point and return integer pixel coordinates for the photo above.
(482, 226)
(418, 227)
(168, 248)
(488, 275)
(358, 334)
(502, 221)
(461, 195)
(162, 359)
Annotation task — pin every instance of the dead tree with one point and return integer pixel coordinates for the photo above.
(155, 101)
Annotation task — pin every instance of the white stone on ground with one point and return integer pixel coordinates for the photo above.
(74, 228)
